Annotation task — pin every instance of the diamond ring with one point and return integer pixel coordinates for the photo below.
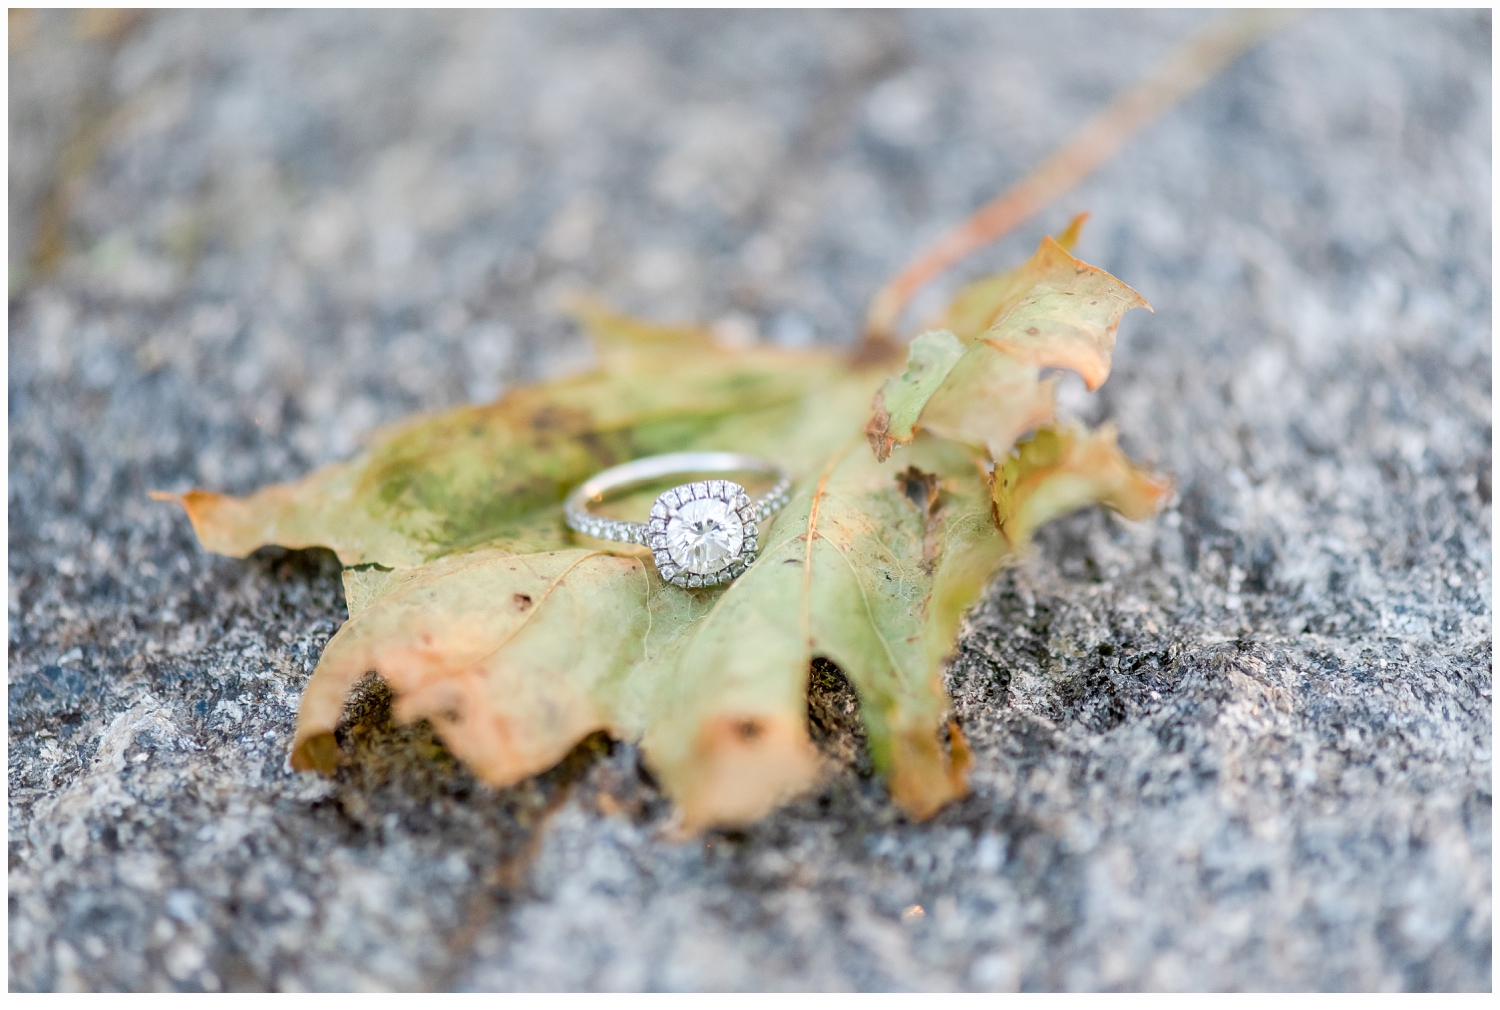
(701, 534)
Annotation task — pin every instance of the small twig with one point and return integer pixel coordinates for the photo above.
(1175, 78)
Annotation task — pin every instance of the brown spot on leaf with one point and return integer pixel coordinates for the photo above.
(925, 490)
(548, 418)
(734, 782)
(523, 601)
(879, 428)
(600, 448)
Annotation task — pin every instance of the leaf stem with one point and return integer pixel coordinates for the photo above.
(1180, 74)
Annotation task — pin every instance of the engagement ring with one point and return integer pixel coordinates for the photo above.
(701, 534)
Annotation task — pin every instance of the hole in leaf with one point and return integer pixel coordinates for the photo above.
(923, 489)
(833, 718)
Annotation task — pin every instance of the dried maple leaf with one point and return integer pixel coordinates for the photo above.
(516, 639)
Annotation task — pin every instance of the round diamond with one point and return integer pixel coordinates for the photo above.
(705, 536)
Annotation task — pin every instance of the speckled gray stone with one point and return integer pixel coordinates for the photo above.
(1243, 746)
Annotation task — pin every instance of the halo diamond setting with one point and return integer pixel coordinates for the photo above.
(702, 533)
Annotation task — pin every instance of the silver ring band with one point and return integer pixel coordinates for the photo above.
(701, 534)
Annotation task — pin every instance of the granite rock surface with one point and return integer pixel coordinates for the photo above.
(1245, 745)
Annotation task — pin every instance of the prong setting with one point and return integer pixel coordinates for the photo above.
(702, 534)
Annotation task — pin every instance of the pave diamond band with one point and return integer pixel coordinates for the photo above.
(701, 534)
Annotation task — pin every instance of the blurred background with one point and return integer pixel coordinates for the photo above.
(1242, 746)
